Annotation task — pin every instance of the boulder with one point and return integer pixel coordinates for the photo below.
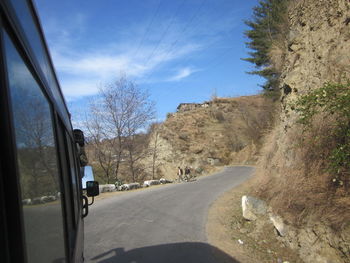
(129, 186)
(164, 181)
(213, 161)
(107, 188)
(278, 223)
(27, 201)
(148, 183)
(123, 187)
(134, 186)
(253, 207)
(36, 200)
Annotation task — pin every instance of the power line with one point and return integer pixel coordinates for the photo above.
(222, 55)
(186, 27)
(173, 44)
(214, 62)
(148, 27)
(211, 45)
(164, 32)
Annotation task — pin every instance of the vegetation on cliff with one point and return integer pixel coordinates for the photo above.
(331, 102)
(303, 172)
(266, 36)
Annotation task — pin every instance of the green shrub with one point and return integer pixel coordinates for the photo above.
(330, 100)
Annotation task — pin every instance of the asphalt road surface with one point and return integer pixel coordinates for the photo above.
(159, 225)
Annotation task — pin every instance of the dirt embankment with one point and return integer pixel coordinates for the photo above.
(292, 175)
(244, 240)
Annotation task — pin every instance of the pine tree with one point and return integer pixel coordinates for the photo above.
(266, 26)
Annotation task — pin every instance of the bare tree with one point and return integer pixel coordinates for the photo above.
(35, 142)
(153, 147)
(121, 111)
(140, 112)
(102, 146)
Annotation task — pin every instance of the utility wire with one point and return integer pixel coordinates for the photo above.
(186, 27)
(164, 33)
(208, 47)
(148, 27)
(173, 44)
(214, 62)
(218, 60)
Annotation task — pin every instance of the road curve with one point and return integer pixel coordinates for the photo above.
(161, 224)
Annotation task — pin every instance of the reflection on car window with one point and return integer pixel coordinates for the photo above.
(37, 162)
(26, 20)
(73, 178)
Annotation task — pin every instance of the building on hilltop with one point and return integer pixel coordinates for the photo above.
(191, 106)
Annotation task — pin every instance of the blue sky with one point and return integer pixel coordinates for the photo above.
(179, 50)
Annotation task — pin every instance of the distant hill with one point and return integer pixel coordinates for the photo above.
(219, 132)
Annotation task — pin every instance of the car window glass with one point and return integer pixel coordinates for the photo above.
(33, 36)
(73, 177)
(37, 162)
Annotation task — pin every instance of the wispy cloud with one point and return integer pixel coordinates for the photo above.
(109, 63)
(74, 88)
(82, 61)
(81, 72)
(182, 73)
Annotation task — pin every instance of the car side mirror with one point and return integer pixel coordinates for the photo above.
(80, 141)
(79, 137)
(92, 188)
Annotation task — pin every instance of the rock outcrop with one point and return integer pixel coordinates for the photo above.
(317, 52)
(314, 243)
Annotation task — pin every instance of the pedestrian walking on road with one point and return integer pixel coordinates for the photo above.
(180, 173)
(187, 173)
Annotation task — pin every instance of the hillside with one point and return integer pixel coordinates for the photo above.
(212, 134)
(294, 173)
(203, 136)
(296, 162)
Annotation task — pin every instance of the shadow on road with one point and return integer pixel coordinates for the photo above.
(169, 253)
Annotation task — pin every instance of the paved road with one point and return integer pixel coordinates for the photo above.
(160, 224)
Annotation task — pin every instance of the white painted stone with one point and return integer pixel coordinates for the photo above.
(27, 201)
(134, 186)
(164, 181)
(278, 223)
(52, 198)
(36, 200)
(253, 207)
(129, 186)
(107, 188)
(150, 182)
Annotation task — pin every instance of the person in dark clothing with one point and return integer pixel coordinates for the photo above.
(187, 173)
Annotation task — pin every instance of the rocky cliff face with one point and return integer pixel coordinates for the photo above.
(318, 48)
(317, 51)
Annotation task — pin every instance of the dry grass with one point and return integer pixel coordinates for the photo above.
(292, 177)
(226, 225)
(227, 129)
